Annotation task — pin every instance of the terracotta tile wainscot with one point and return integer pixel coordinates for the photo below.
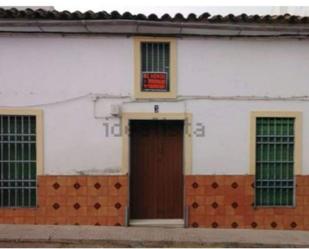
(79, 200)
(214, 201)
(227, 202)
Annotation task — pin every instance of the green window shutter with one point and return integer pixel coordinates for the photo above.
(155, 58)
(274, 161)
(17, 161)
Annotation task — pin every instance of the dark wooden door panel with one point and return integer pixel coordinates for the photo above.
(156, 169)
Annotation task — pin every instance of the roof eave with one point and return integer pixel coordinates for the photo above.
(138, 27)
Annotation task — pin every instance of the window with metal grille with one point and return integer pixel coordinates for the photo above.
(274, 161)
(155, 66)
(17, 161)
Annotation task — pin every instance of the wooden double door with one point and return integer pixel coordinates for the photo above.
(156, 169)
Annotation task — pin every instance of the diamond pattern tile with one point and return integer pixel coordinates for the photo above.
(234, 225)
(117, 185)
(97, 205)
(235, 205)
(254, 224)
(293, 224)
(117, 205)
(215, 185)
(76, 185)
(56, 206)
(234, 185)
(56, 185)
(76, 206)
(195, 185)
(97, 185)
(214, 225)
(215, 205)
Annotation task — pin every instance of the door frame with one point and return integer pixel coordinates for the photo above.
(187, 143)
(187, 136)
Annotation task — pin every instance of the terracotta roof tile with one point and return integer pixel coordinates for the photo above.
(40, 14)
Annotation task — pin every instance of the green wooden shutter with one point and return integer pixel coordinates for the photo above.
(274, 161)
(17, 161)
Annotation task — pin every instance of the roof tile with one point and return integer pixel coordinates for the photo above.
(39, 14)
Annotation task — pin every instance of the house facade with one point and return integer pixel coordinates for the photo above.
(109, 119)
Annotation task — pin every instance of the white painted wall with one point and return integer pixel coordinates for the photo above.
(224, 67)
(37, 70)
(42, 70)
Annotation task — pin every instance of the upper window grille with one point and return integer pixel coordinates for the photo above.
(155, 59)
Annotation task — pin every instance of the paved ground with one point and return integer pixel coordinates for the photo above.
(94, 236)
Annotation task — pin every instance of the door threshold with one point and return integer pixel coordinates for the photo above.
(157, 223)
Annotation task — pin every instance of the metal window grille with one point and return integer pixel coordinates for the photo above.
(274, 162)
(155, 58)
(17, 161)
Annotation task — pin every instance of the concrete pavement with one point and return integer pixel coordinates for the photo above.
(138, 236)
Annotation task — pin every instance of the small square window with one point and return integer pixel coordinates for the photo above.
(155, 67)
(155, 58)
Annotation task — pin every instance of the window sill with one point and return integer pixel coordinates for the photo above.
(155, 95)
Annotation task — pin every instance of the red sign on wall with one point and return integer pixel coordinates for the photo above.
(154, 81)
